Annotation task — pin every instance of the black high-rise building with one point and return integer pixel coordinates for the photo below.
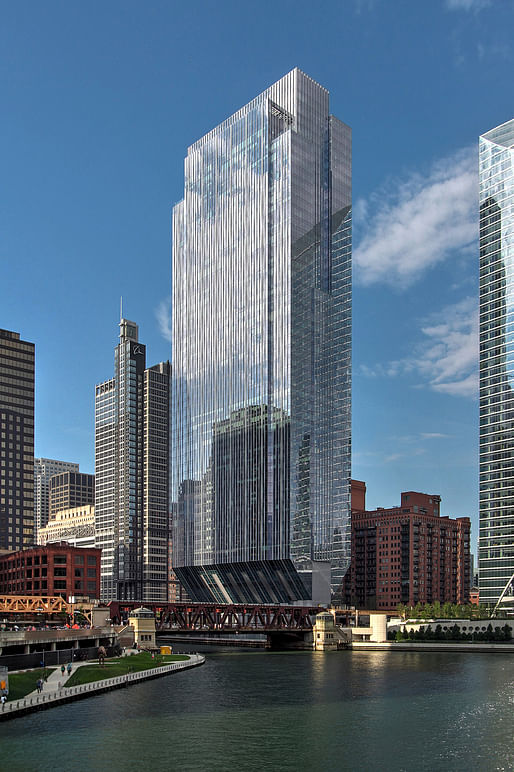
(17, 358)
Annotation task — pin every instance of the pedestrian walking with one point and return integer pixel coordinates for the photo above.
(3, 700)
(69, 668)
(63, 668)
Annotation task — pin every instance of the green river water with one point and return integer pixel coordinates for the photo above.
(255, 710)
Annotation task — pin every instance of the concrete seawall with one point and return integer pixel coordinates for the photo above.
(476, 648)
(43, 701)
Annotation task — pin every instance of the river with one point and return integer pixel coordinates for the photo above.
(272, 711)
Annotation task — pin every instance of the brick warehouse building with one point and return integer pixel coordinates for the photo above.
(407, 554)
(53, 569)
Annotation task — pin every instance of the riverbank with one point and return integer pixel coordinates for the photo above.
(477, 648)
(64, 694)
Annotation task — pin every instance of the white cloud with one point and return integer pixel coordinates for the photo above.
(501, 50)
(467, 5)
(418, 222)
(434, 436)
(163, 316)
(447, 356)
(450, 358)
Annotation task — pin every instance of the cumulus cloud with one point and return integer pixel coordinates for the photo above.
(447, 356)
(163, 316)
(467, 5)
(417, 222)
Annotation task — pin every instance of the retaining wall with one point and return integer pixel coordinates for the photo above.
(67, 694)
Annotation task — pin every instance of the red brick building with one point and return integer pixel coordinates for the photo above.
(55, 569)
(407, 554)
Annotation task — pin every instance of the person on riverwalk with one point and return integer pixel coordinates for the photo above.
(69, 668)
(63, 668)
(38, 685)
(3, 700)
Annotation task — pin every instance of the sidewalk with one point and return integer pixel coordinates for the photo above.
(57, 680)
(47, 699)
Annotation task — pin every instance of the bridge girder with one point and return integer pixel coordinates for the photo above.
(228, 617)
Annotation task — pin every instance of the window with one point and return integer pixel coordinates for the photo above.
(59, 559)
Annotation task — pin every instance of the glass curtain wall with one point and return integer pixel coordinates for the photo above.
(262, 347)
(496, 541)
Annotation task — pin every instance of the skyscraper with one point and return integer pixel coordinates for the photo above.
(70, 489)
(262, 352)
(44, 469)
(496, 541)
(17, 359)
(132, 511)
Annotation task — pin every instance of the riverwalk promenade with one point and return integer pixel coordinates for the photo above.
(55, 692)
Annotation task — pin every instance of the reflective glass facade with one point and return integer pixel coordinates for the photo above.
(262, 352)
(496, 543)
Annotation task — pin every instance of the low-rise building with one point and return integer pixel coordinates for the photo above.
(75, 526)
(50, 570)
(407, 554)
(143, 621)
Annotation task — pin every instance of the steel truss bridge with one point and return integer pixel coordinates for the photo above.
(33, 604)
(212, 617)
(41, 604)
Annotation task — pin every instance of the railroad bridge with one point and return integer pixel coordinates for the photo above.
(281, 624)
(227, 617)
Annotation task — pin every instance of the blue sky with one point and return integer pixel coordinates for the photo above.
(99, 102)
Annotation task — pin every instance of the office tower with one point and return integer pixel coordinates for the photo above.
(496, 541)
(16, 441)
(70, 489)
(262, 352)
(407, 554)
(44, 469)
(132, 511)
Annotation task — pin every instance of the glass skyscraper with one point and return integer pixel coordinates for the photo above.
(261, 396)
(496, 541)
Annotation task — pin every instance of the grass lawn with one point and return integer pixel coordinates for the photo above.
(121, 666)
(21, 684)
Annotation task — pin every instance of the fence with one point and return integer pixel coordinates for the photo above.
(76, 692)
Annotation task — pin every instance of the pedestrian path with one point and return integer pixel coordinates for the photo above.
(56, 695)
(56, 680)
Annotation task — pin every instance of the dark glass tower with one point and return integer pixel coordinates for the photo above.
(17, 374)
(132, 425)
(262, 352)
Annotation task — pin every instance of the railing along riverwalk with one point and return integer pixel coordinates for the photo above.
(66, 694)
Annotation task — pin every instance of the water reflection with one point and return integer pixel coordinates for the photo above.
(256, 710)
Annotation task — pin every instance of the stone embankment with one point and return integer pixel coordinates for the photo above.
(64, 694)
(477, 648)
